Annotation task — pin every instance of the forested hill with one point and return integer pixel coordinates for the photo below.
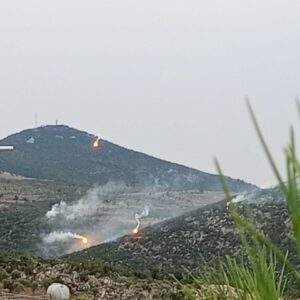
(66, 154)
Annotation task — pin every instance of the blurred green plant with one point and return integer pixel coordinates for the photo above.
(263, 275)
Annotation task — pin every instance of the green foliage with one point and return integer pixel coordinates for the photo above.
(262, 276)
(34, 286)
(46, 282)
(15, 274)
(257, 281)
(25, 282)
(56, 156)
(3, 274)
(8, 284)
(84, 276)
(22, 224)
(18, 287)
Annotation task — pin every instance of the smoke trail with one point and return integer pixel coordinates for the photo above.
(96, 142)
(106, 213)
(60, 236)
(144, 213)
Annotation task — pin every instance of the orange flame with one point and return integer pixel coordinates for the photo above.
(96, 144)
(84, 240)
(135, 230)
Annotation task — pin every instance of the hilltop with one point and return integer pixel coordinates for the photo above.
(65, 154)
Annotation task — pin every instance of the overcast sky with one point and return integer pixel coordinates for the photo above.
(165, 77)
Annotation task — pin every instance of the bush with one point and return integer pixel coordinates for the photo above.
(3, 274)
(8, 284)
(18, 287)
(46, 282)
(84, 276)
(25, 282)
(15, 274)
(263, 276)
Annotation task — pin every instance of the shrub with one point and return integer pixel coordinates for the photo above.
(34, 286)
(3, 274)
(8, 284)
(46, 282)
(263, 275)
(15, 274)
(18, 287)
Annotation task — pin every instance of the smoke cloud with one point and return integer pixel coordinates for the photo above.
(58, 236)
(108, 212)
(103, 214)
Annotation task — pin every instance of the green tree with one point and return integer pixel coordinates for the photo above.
(18, 287)
(34, 286)
(8, 284)
(15, 274)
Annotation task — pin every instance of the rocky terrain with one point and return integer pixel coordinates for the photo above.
(65, 154)
(192, 240)
(31, 276)
(16, 189)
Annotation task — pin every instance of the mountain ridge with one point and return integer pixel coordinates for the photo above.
(59, 152)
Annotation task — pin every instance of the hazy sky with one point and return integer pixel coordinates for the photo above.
(165, 77)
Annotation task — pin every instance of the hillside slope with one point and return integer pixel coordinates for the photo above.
(28, 276)
(103, 213)
(65, 154)
(192, 240)
(23, 205)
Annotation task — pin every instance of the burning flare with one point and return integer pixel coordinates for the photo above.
(144, 213)
(96, 143)
(60, 236)
(83, 239)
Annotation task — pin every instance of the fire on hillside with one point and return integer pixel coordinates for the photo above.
(96, 143)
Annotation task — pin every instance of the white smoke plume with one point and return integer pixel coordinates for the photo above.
(60, 236)
(56, 209)
(106, 213)
(87, 206)
(144, 213)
